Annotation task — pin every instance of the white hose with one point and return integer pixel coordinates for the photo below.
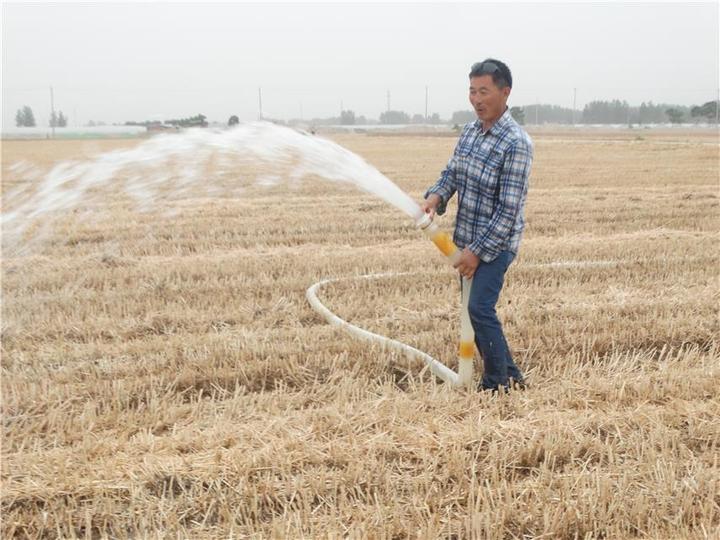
(438, 368)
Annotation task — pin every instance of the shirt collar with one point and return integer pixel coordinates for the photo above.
(497, 125)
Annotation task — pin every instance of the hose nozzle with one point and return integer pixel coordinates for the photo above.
(423, 222)
(441, 239)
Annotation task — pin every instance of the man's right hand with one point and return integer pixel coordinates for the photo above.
(429, 205)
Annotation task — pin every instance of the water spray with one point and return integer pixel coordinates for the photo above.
(171, 166)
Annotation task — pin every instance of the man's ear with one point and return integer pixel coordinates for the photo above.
(506, 91)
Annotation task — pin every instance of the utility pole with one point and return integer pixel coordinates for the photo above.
(537, 107)
(574, 102)
(426, 104)
(388, 101)
(52, 112)
(260, 113)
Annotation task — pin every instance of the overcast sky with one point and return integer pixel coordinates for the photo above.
(135, 61)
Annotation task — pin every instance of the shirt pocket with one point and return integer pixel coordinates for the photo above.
(466, 144)
(485, 171)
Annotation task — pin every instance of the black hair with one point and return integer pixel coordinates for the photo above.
(501, 75)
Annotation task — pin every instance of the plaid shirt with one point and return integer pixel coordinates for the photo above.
(490, 171)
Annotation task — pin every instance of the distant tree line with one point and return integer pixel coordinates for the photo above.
(199, 120)
(25, 117)
(708, 110)
(551, 114)
(58, 119)
(401, 117)
(620, 112)
(595, 112)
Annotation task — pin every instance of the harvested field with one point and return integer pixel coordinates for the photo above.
(163, 375)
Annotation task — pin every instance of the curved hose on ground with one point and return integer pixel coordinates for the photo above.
(436, 367)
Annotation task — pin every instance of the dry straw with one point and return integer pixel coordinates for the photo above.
(164, 377)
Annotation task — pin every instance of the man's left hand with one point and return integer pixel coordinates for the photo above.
(467, 264)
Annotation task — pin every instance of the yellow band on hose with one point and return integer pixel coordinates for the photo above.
(444, 243)
(467, 349)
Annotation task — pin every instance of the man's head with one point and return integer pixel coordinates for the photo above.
(490, 86)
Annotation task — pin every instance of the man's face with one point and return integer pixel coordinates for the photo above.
(487, 100)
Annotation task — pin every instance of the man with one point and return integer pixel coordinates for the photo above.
(489, 170)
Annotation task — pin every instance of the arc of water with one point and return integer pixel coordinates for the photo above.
(173, 164)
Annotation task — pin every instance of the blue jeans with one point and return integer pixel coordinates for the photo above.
(489, 338)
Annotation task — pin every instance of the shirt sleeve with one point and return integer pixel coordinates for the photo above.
(446, 186)
(512, 189)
